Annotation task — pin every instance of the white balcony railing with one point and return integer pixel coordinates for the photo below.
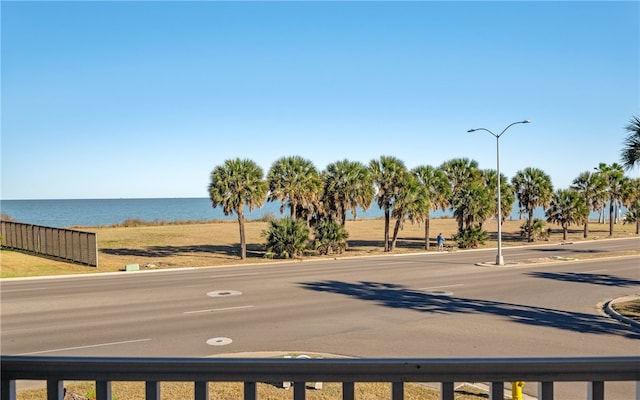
(594, 371)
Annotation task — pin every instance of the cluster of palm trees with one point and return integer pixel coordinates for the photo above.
(318, 198)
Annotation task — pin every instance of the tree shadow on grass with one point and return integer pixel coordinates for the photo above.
(253, 251)
(398, 296)
(365, 243)
(595, 279)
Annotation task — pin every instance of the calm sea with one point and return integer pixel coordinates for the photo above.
(99, 212)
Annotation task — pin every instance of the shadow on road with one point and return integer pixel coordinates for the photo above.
(565, 250)
(594, 279)
(398, 296)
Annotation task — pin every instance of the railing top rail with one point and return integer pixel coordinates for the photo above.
(328, 370)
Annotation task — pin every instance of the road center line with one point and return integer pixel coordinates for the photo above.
(440, 287)
(595, 270)
(85, 347)
(217, 309)
(236, 275)
(22, 290)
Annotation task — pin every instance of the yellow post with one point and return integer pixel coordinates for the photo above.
(516, 390)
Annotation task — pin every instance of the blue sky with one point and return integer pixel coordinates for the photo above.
(144, 99)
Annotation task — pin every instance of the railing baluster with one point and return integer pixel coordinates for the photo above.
(397, 391)
(201, 390)
(348, 391)
(299, 390)
(596, 390)
(250, 391)
(152, 390)
(8, 389)
(594, 371)
(55, 389)
(446, 391)
(496, 391)
(545, 390)
(103, 390)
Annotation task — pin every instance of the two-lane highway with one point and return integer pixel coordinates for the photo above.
(423, 305)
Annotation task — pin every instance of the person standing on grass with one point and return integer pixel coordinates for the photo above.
(440, 241)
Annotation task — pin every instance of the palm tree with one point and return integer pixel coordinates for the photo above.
(411, 203)
(347, 186)
(460, 171)
(591, 188)
(567, 208)
(438, 192)
(631, 152)
(234, 185)
(473, 204)
(294, 181)
(614, 181)
(507, 195)
(534, 189)
(387, 174)
(631, 199)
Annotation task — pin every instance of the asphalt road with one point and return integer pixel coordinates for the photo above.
(422, 305)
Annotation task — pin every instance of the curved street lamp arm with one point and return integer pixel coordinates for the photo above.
(526, 121)
(485, 129)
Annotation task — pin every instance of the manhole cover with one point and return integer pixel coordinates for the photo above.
(223, 293)
(438, 292)
(219, 341)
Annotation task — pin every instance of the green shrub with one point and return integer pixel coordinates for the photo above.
(471, 238)
(286, 238)
(330, 237)
(538, 230)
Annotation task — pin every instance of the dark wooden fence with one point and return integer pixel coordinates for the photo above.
(65, 244)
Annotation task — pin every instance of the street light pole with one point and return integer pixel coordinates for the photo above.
(499, 257)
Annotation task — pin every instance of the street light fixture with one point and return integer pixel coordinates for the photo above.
(499, 257)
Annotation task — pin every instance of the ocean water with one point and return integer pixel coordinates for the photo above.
(100, 212)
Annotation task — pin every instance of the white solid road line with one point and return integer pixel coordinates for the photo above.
(216, 309)
(85, 347)
(440, 287)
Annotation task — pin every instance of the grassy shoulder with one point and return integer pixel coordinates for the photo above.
(217, 244)
(630, 309)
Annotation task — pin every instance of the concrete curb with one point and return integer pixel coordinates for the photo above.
(608, 309)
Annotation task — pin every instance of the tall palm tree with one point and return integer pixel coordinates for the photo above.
(411, 203)
(460, 171)
(473, 204)
(631, 199)
(614, 181)
(387, 173)
(534, 189)
(235, 184)
(630, 154)
(438, 192)
(347, 186)
(294, 181)
(591, 188)
(507, 195)
(567, 208)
